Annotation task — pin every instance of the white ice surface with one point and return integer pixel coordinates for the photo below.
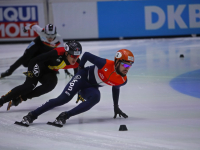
(160, 118)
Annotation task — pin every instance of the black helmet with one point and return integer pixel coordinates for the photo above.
(50, 30)
(73, 47)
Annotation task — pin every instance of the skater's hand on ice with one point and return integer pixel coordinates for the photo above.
(117, 111)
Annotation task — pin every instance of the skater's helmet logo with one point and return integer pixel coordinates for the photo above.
(36, 70)
(118, 55)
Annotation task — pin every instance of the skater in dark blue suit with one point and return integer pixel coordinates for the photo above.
(87, 82)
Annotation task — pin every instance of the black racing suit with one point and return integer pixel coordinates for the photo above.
(38, 46)
(35, 48)
(42, 69)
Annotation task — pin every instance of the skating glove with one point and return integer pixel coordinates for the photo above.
(117, 110)
(80, 98)
(28, 74)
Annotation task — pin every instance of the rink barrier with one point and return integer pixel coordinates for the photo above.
(15, 14)
(93, 19)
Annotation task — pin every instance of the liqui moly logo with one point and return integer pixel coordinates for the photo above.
(14, 18)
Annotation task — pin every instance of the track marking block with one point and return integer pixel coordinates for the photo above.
(123, 128)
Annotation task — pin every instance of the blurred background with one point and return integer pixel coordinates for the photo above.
(161, 97)
(100, 19)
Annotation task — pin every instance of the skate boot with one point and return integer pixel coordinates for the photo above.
(61, 119)
(28, 118)
(6, 73)
(14, 102)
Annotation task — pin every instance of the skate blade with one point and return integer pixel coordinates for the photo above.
(21, 124)
(54, 124)
(9, 105)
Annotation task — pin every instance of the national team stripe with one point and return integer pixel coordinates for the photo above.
(61, 66)
(57, 43)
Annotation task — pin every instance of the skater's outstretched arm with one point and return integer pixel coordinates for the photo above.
(34, 27)
(97, 61)
(44, 57)
(115, 93)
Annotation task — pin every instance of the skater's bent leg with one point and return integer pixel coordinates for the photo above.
(49, 81)
(14, 66)
(60, 100)
(92, 96)
(24, 59)
(28, 86)
(75, 84)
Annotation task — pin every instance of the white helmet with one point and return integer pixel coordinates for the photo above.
(50, 31)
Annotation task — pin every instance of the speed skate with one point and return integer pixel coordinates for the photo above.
(55, 123)
(22, 123)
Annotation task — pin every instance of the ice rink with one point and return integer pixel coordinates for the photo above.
(161, 98)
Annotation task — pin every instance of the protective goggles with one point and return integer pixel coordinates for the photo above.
(126, 65)
(74, 56)
(50, 36)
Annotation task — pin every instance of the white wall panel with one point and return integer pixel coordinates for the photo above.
(75, 19)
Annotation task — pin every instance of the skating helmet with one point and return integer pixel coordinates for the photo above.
(124, 55)
(73, 48)
(50, 31)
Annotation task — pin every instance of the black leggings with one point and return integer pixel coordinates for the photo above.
(27, 56)
(29, 90)
(35, 48)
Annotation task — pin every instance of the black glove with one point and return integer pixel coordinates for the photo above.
(117, 110)
(24, 29)
(80, 98)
